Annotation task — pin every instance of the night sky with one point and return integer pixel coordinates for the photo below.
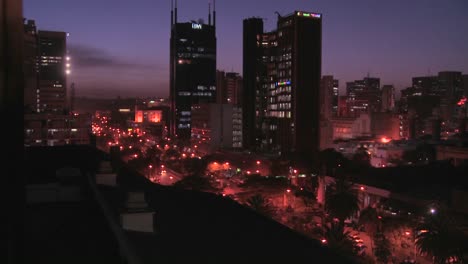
(121, 47)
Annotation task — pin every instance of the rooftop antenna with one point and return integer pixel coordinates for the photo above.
(175, 13)
(172, 12)
(209, 13)
(214, 13)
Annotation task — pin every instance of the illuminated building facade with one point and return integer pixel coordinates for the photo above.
(364, 96)
(30, 66)
(53, 70)
(192, 70)
(217, 126)
(56, 130)
(288, 77)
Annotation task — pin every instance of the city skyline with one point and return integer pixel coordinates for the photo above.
(125, 51)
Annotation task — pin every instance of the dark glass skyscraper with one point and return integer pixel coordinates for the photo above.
(252, 63)
(192, 70)
(53, 60)
(283, 69)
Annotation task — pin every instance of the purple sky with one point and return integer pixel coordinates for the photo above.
(121, 47)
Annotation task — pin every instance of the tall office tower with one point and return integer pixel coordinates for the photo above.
(388, 98)
(229, 88)
(336, 94)
(11, 105)
(465, 84)
(327, 94)
(220, 83)
(450, 84)
(233, 88)
(252, 63)
(426, 85)
(52, 95)
(192, 70)
(364, 95)
(451, 90)
(31, 52)
(289, 79)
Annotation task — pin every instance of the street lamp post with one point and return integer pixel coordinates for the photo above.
(150, 174)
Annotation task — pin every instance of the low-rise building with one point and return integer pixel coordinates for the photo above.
(56, 130)
(217, 126)
(351, 127)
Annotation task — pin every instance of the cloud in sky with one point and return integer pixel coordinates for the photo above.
(97, 70)
(88, 56)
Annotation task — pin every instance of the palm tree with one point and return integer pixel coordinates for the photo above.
(337, 239)
(439, 236)
(341, 200)
(382, 248)
(260, 204)
(369, 219)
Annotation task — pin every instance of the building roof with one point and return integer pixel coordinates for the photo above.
(190, 226)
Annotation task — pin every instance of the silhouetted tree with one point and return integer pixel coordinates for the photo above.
(382, 248)
(341, 200)
(338, 239)
(369, 219)
(441, 237)
(260, 204)
(195, 182)
(329, 160)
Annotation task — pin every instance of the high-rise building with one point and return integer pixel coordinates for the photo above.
(233, 88)
(220, 82)
(252, 63)
(327, 95)
(364, 95)
(328, 99)
(53, 63)
(229, 88)
(426, 85)
(388, 98)
(192, 70)
(336, 93)
(465, 84)
(31, 51)
(283, 69)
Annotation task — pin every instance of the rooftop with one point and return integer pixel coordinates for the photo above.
(189, 226)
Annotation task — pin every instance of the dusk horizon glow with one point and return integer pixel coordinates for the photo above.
(122, 48)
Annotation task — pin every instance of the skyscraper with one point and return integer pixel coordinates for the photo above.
(336, 93)
(426, 85)
(192, 70)
(252, 62)
(327, 95)
(388, 98)
(233, 88)
(229, 88)
(283, 69)
(53, 61)
(364, 95)
(31, 51)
